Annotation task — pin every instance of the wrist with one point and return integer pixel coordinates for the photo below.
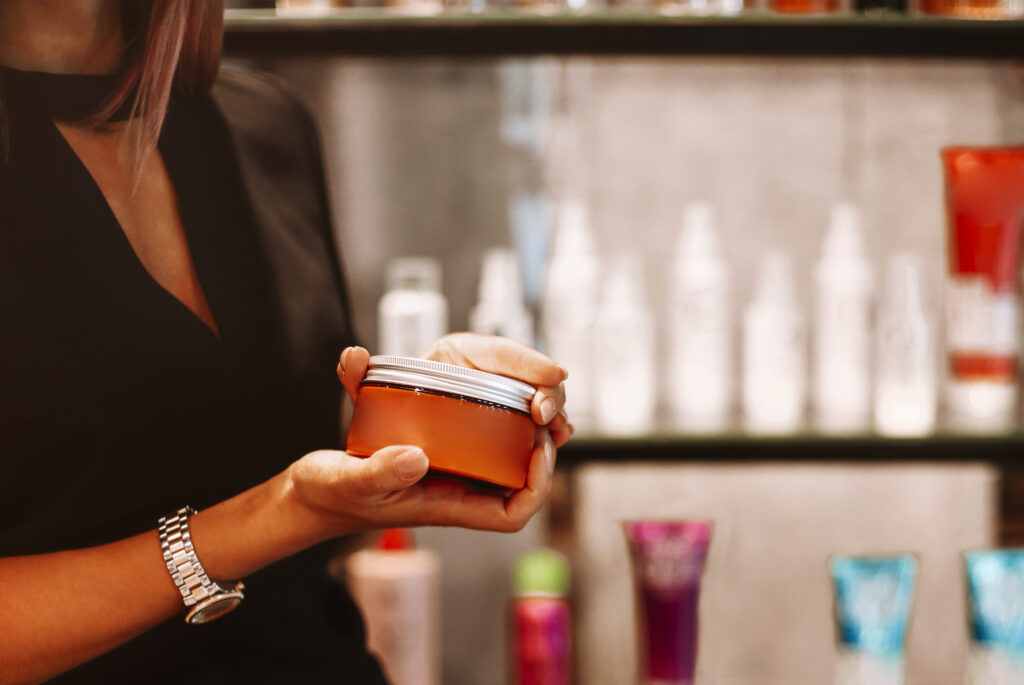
(254, 529)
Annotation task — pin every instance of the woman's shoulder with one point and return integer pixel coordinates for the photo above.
(262, 106)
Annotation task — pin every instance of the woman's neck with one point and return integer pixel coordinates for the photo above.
(61, 36)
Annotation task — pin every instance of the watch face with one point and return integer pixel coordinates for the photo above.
(214, 607)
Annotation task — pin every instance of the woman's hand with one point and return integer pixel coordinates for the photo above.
(390, 489)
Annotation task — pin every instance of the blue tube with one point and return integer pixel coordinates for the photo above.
(873, 602)
(995, 594)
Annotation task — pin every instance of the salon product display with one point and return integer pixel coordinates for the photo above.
(873, 601)
(700, 335)
(905, 358)
(468, 422)
(397, 589)
(668, 560)
(569, 308)
(985, 203)
(995, 594)
(541, 630)
(625, 333)
(774, 352)
(843, 279)
(499, 309)
(413, 313)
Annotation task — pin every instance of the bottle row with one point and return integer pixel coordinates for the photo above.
(398, 591)
(865, 356)
(965, 9)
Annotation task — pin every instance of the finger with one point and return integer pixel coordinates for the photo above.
(560, 437)
(558, 423)
(547, 402)
(352, 368)
(520, 507)
(389, 469)
(505, 357)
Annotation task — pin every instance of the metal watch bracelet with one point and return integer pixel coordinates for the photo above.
(205, 599)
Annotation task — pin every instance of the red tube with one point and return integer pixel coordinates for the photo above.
(985, 204)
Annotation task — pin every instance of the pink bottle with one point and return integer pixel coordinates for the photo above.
(541, 622)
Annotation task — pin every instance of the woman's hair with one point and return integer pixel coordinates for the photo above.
(169, 45)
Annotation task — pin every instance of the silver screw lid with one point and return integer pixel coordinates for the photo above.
(422, 374)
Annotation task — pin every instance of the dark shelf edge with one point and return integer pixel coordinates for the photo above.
(1006, 451)
(441, 36)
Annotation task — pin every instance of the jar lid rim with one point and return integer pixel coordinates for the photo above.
(461, 380)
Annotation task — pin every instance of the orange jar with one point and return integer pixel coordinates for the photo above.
(468, 422)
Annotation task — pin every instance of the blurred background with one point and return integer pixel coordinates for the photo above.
(751, 210)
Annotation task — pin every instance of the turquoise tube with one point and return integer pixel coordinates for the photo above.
(873, 603)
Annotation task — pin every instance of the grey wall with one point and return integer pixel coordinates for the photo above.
(417, 165)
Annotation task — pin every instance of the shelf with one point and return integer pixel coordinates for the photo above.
(1005, 450)
(388, 33)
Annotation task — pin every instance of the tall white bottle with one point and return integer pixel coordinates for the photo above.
(626, 387)
(398, 590)
(569, 308)
(500, 309)
(700, 354)
(905, 355)
(842, 328)
(413, 313)
(774, 352)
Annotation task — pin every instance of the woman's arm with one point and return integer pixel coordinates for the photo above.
(59, 610)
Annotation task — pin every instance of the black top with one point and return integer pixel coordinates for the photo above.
(118, 405)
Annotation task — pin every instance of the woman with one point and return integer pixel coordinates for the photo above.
(171, 313)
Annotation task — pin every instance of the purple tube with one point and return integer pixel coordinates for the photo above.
(668, 560)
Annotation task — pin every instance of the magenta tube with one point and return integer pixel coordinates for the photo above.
(668, 561)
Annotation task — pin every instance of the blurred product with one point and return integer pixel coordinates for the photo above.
(700, 344)
(413, 313)
(774, 352)
(668, 561)
(469, 422)
(805, 6)
(975, 9)
(397, 589)
(985, 203)
(905, 357)
(873, 7)
(842, 328)
(541, 620)
(500, 309)
(303, 6)
(995, 592)
(874, 597)
(569, 308)
(701, 7)
(626, 386)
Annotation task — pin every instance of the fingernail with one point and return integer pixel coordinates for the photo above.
(344, 358)
(549, 456)
(565, 372)
(547, 410)
(411, 464)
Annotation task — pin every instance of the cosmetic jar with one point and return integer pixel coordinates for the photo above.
(468, 422)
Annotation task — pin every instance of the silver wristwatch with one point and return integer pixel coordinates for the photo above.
(204, 599)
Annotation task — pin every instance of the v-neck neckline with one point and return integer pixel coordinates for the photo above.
(130, 256)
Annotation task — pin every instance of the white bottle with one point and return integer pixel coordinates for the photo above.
(700, 354)
(413, 313)
(397, 589)
(500, 309)
(842, 328)
(569, 309)
(905, 361)
(626, 386)
(774, 352)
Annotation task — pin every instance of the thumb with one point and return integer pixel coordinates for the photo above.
(389, 469)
